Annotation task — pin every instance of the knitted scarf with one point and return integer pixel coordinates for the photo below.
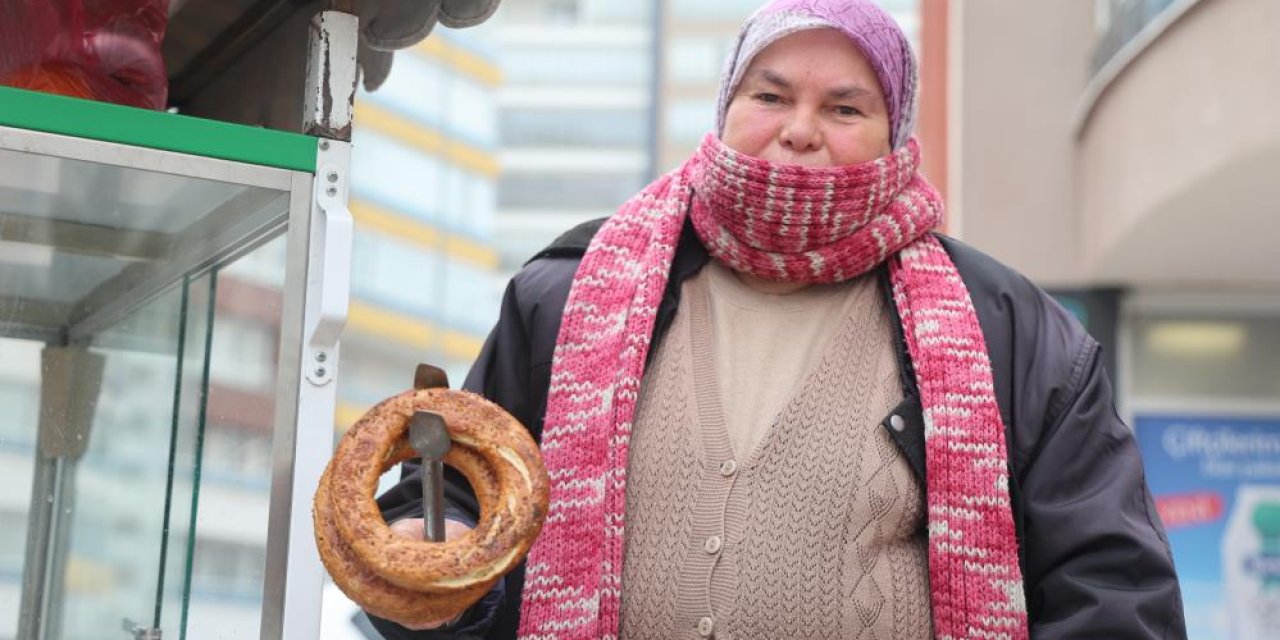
(783, 223)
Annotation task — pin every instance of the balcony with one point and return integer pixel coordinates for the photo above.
(1177, 144)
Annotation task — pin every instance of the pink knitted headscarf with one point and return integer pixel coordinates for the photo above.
(780, 222)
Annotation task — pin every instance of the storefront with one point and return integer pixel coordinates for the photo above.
(1200, 384)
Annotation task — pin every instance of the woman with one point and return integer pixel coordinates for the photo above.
(774, 404)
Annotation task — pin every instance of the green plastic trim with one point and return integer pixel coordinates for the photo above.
(156, 130)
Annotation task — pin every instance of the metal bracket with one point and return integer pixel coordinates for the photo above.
(140, 632)
(71, 379)
(330, 259)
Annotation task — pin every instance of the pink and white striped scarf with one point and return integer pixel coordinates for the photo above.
(788, 223)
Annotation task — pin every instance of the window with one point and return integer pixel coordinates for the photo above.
(696, 60)
(228, 568)
(19, 391)
(13, 537)
(416, 87)
(403, 178)
(1122, 20)
(577, 66)
(688, 121)
(617, 11)
(236, 455)
(574, 127)
(566, 190)
(724, 11)
(456, 203)
(471, 292)
(263, 266)
(479, 201)
(243, 353)
(21, 404)
(479, 40)
(561, 11)
(472, 112)
(1206, 356)
(395, 274)
(468, 202)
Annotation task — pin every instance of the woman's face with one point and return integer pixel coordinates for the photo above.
(810, 98)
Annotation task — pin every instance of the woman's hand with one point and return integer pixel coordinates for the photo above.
(413, 528)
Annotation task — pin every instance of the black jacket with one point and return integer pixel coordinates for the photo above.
(1095, 560)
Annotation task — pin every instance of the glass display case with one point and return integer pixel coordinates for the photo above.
(134, 411)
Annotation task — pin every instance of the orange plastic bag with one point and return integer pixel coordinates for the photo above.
(105, 50)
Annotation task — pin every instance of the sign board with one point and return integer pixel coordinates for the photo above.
(1216, 484)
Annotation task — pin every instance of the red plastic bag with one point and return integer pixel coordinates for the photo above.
(105, 50)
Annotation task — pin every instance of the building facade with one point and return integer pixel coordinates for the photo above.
(1123, 153)
(573, 115)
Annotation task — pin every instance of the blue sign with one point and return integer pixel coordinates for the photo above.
(1216, 483)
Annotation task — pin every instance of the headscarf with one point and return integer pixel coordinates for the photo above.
(873, 30)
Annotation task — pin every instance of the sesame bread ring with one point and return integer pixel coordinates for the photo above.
(415, 582)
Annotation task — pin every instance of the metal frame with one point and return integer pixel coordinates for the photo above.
(83, 238)
(216, 238)
(46, 533)
(155, 160)
(319, 254)
(70, 382)
(313, 213)
(318, 228)
(34, 319)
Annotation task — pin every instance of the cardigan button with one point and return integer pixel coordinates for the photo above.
(728, 468)
(897, 423)
(712, 545)
(705, 626)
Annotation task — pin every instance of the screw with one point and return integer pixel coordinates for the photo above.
(321, 372)
(332, 191)
(324, 145)
(321, 357)
(333, 176)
